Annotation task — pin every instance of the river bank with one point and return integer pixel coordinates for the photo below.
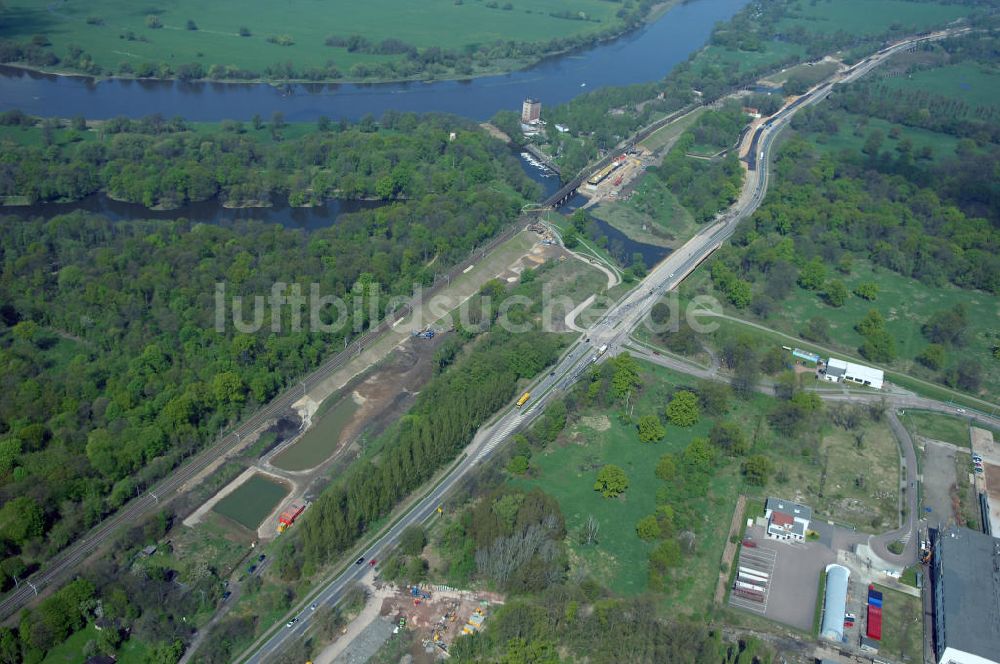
(651, 50)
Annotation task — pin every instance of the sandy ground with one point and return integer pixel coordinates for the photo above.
(196, 517)
(387, 604)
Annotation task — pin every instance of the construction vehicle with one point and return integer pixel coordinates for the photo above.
(288, 517)
(618, 180)
(415, 591)
(426, 333)
(524, 399)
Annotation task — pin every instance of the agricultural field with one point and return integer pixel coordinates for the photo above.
(969, 82)
(869, 17)
(902, 626)
(185, 31)
(252, 501)
(653, 215)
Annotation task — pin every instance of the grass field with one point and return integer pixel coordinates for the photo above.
(252, 501)
(970, 82)
(869, 17)
(652, 215)
(954, 430)
(619, 560)
(664, 136)
(101, 28)
(844, 482)
(905, 304)
(849, 137)
(902, 626)
(809, 71)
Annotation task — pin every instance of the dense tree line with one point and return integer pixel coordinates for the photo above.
(156, 162)
(442, 421)
(580, 622)
(703, 187)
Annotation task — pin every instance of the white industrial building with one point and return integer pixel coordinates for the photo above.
(835, 602)
(836, 371)
(786, 520)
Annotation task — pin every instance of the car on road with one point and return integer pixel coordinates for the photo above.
(251, 569)
(359, 560)
(959, 410)
(291, 622)
(261, 557)
(312, 607)
(671, 276)
(373, 562)
(976, 457)
(979, 469)
(226, 595)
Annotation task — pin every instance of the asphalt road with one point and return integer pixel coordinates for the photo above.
(612, 330)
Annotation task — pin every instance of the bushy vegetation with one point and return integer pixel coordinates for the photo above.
(156, 162)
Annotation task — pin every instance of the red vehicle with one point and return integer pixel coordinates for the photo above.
(749, 543)
(373, 562)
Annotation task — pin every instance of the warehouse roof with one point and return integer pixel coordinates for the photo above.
(968, 591)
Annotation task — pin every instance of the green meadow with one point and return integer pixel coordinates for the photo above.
(869, 17)
(970, 82)
(116, 31)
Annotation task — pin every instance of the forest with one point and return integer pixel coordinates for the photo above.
(165, 163)
(112, 366)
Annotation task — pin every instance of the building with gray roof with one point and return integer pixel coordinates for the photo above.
(965, 576)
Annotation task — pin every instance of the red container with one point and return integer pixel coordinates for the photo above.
(874, 630)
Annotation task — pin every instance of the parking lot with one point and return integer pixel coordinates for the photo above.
(755, 568)
(793, 570)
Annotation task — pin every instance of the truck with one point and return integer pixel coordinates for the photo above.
(602, 350)
(288, 517)
(524, 399)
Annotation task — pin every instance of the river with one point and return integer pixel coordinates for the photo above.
(641, 56)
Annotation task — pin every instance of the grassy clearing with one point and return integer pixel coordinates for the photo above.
(252, 501)
(666, 135)
(969, 82)
(567, 471)
(964, 495)
(852, 130)
(774, 52)
(868, 17)
(954, 430)
(858, 486)
(902, 626)
(652, 215)
(217, 40)
(906, 305)
(810, 71)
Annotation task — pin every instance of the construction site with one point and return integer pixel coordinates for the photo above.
(437, 614)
